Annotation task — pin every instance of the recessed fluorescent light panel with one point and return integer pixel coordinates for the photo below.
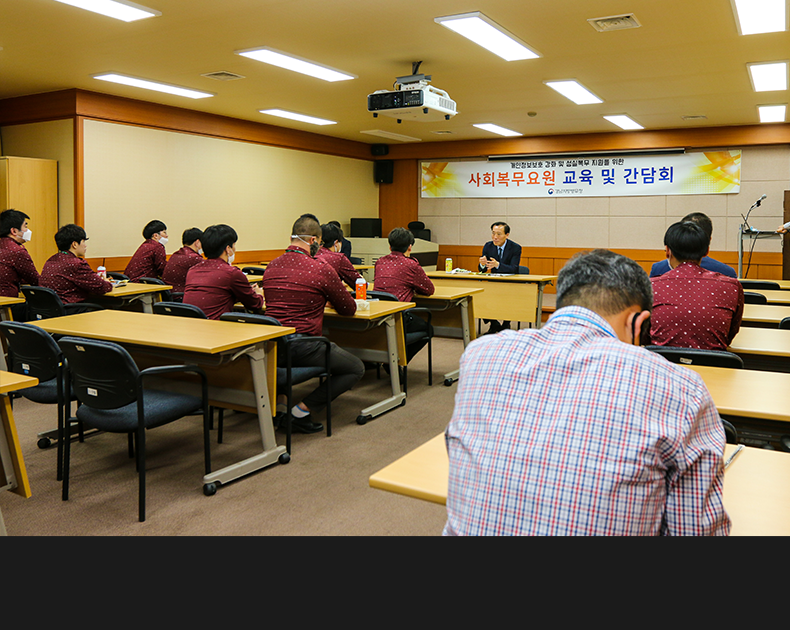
(624, 122)
(768, 77)
(118, 9)
(151, 85)
(772, 113)
(299, 117)
(484, 32)
(760, 16)
(574, 91)
(297, 64)
(391, 136)
(497, 129)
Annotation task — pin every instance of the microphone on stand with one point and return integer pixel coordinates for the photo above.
(749, 228)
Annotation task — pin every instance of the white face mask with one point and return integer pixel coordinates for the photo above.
(27, 235)
(163, 241)
(231, 258)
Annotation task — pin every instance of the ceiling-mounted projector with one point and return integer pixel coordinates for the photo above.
(412, 99)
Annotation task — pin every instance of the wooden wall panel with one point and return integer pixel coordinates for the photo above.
(398, 201)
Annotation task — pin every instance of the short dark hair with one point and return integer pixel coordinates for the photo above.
(152, 227)
(310, 216)
(307, 225)
(400, 239)
(11, 219)
(191, 235)
(330, 234)
(701, 219)
(216, 238)
(69, 234)
(687, 241)
(604, 282)
(337, 225)
(503, 224)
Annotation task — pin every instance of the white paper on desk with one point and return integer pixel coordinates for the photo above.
(459, 270)
(501, 275)
(362, 305)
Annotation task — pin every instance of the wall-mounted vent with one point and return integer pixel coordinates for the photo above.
(614, 23)
(695, 117)
(223, 75)
(442, 131)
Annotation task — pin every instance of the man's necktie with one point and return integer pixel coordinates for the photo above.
(500, 252)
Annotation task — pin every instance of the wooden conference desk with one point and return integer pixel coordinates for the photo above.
(763, 348)
(130, 292)
(774, 297)
(374, 335)
(516, 298)
(452, 315)
(215, 346)
(756, 485)
(13, 475)
(5, 315)
(764, 315)
(784, 285)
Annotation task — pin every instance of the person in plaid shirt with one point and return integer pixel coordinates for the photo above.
(573, 429)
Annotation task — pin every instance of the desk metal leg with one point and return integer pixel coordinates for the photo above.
(451, 377)
(5, 315)
(398, 398)
(271, 452)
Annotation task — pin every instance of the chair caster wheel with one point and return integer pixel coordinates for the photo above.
(402, 403)
(44, 442)
(284, 458)
(210, 489)
(363, 419)
(448, 382)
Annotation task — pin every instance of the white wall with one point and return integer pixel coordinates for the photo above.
(135, 174)
(619, 222)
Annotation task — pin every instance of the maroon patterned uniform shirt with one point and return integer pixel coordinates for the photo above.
(215, 286)
(402, 276)
(16, 267)
(695, 308)
(148, 261)
(297, 288)
(178, 264)
(340, 263)
(72, 278)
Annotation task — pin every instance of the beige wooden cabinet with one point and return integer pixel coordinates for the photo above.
(31, 186)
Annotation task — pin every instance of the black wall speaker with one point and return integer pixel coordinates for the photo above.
(382, 171)
(379, 149)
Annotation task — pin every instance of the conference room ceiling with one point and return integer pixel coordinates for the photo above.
(686, 59)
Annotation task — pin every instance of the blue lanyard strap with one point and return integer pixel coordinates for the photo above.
(588, 320)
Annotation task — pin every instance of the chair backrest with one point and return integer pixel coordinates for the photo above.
(34, 351)
(253, 271)
(693, 356)
(785, 323)
(382, 295)
(103, 374)
(760, 285)
(42, 303)
(523, 270)
(117, 275)
(178, 309)
(166, 296)
(249, 318)
(730, 432)
(750, 297)
(354, 260)
(416, 225)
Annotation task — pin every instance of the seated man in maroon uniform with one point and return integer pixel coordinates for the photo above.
(69, 275)
(149, 259)
(16, 265)
(183, 260)
(401, 275)
(215, 285)
(297, 288)
(330, 253)
(693, 307)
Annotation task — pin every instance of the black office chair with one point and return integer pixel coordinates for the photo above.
(354, 260)
(253, 271)
(694, 356)
(113, 398)
(759, 285)
(730, 432)
(523, 270)
(116, 275)
(785, 323)
(34, 353)
(749, 297)
(412, 337)
(178, 309)
(290, 375)
(167, 296)
(43, 303)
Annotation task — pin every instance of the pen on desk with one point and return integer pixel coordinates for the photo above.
(731, 457)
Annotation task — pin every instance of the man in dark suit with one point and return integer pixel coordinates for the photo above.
(345, 244)
(500, 255)
(703, 220)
